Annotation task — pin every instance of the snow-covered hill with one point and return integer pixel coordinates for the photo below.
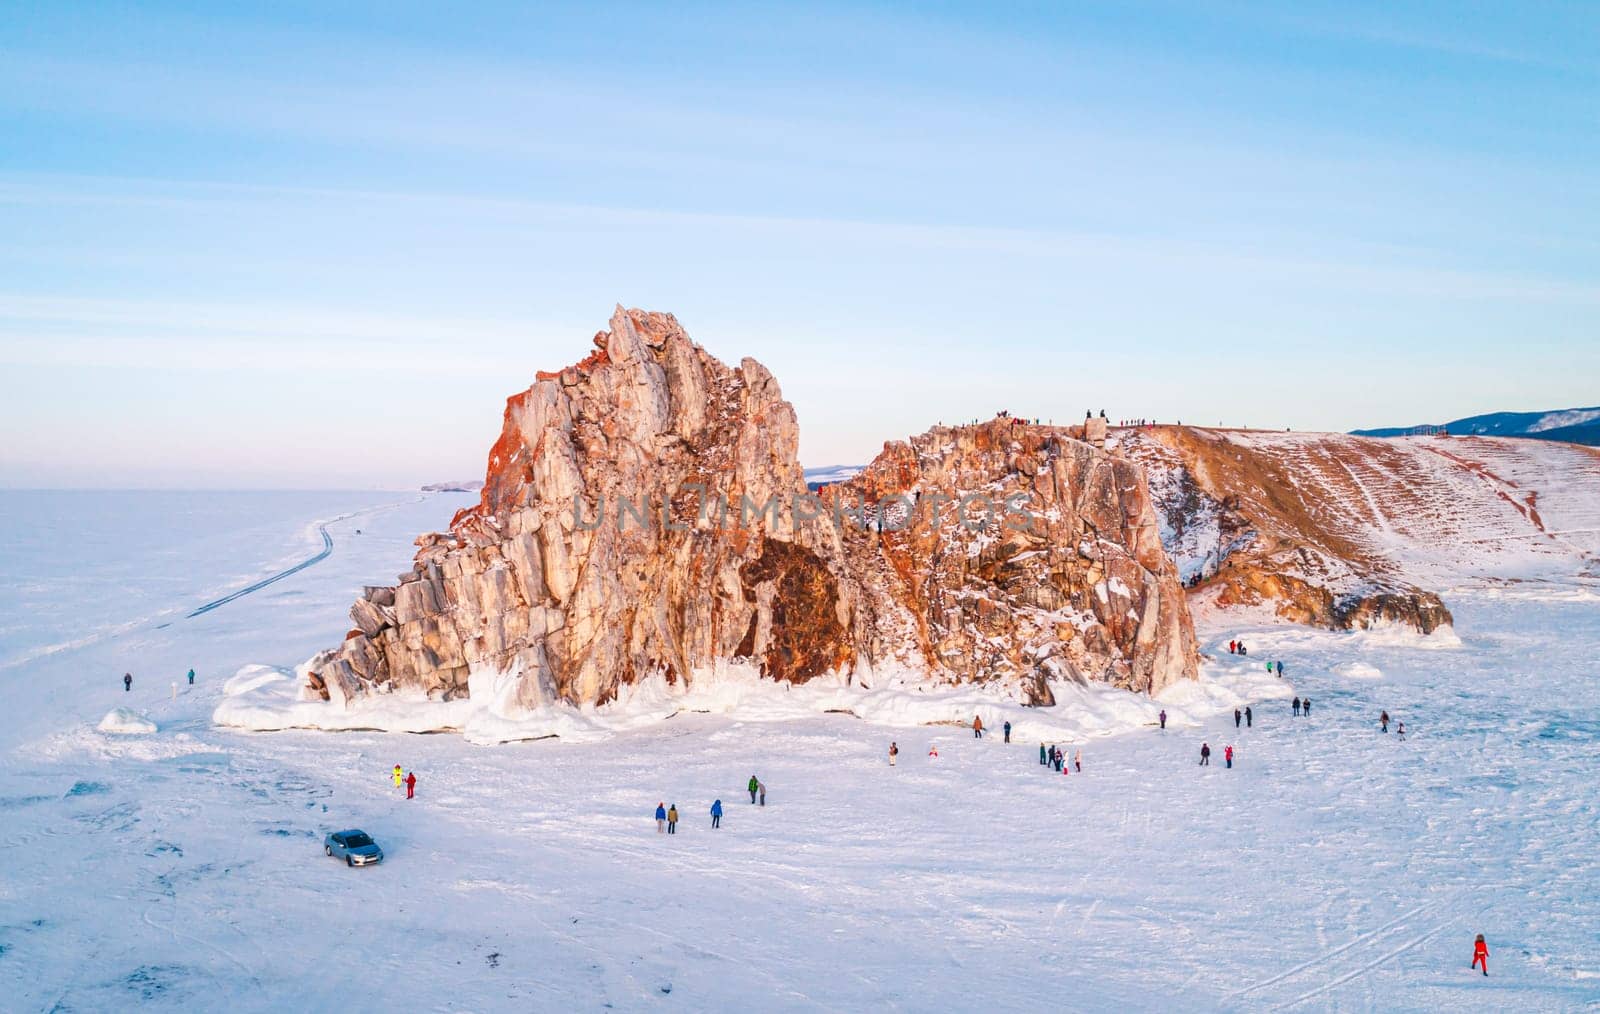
(1342, 531)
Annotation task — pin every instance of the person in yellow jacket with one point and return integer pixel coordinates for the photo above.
(397, 776)
(672, 819)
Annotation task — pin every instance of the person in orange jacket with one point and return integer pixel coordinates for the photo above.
(977, 727)
(1480, 954)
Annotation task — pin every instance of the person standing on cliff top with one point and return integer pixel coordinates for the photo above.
(1007, 729)
(1295, 707)
(1383, 721)
(672, 819)
(661, 818)
(1305, 708)
(1249, 719)
(1227, 756)
(752, 787)
(411, 784)
(716, 815)
(398, 776)
(1163, 717)
(191, 677)
(1077, 760)
(1280, 668)
(1044, 758)
(127, 682)
(762, 788)
(1205, 754)
(894, 751)
(1232, 647)
(977, 727)
(1238, 716)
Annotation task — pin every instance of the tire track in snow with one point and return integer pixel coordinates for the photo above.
(1364, 969)
(327, 550)
(311, 561)
(1319, 959)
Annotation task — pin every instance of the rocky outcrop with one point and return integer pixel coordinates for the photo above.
(1006, 549)
(1288, 521)
(644, 512)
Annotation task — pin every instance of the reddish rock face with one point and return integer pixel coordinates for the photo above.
(805, 638)
(1313, 525)
(644, 511)
(1017, 552)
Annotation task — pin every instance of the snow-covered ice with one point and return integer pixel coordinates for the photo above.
(1334, 867)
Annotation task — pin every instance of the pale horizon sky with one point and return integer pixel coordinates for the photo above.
(311, 247)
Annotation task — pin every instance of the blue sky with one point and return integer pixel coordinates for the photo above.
(316, 245)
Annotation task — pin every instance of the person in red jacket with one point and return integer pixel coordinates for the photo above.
(411, 784)
(1480, 954)
(1227, 756)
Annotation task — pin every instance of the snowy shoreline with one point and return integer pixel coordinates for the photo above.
(267, 699)
(262, 698)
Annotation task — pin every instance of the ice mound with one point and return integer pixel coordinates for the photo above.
(266, 699)
(1358, 671)
(126, 722)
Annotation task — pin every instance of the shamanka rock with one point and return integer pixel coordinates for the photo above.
(644, 512)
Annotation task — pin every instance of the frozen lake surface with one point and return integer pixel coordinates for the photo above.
(1334, 867)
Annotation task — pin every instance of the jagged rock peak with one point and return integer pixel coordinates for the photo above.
(644, 512)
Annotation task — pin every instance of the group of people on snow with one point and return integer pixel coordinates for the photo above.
(127, 681)
(1301, 706)
(1383, 724)
(409, 781)
(977, 729)
(667, 816)
(1205, 755)
(1056, 758)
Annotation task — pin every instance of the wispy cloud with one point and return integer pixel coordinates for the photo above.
(1368, 267)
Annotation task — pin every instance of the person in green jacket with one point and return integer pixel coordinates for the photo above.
(191, 677)
(1044, 758)
(752, 787)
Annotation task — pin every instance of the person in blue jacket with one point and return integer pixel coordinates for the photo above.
(661, 818)
(191, 677)
(716, 814)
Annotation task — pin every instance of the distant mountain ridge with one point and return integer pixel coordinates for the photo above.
(1571, 425)
(827, 475)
